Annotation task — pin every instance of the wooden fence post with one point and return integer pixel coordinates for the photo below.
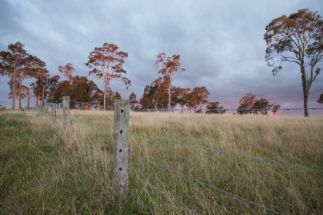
(120, 164)
(66, 112)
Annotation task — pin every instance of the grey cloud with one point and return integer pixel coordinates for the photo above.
(221, 42)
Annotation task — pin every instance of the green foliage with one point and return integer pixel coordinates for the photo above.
(320, 100)
(79, 88)
(215, 107)
(249, 104)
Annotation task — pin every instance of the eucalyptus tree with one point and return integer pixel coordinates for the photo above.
(107, 62)
(18, 65)
(296, 39)
(168, 66)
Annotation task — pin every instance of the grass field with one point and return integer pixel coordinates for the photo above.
(178, 164)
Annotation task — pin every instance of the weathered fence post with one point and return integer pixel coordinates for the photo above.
(120, 164)
(66, 112)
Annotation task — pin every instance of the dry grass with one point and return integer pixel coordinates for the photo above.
(183, 163)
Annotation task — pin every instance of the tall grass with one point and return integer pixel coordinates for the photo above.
(178, 163)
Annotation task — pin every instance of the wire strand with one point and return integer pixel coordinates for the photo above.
(219, 190)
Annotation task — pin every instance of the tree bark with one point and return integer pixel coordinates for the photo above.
(305, 91)
(19, 97)
(43, 99)
(306, 113)
(106, 83)
(14, 90)
(169, 98)
(19, 101)
(104, 99)
(28, 102)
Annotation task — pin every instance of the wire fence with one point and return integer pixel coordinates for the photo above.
(229, 154)
(245, 156)
(226, 109)
(217, 189)
(250, 157)
(238, 155)
(263, 111)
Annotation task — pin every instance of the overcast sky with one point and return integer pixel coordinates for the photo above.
(220, 42)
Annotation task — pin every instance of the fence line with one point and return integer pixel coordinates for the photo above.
(219, 190)
(273, 162)
(248, 157)
(226, 109)
(233, 154)
(255, 158)
(78, 104)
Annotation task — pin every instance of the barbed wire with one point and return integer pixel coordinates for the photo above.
(254, 158)
(264, 161)
(79, 105)
(225, 109)
(186, 108)
(219, 190)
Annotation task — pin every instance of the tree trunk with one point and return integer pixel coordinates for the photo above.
(104, 99)
(19, 101)
(106, 83)
(169, 98)
(19, 96)
(36, 101)
(43, 99)
(306, 113)
(14, 89)
(305, 91)
(28, 102)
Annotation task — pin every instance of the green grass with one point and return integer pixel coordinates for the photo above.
(178, 163)
(40, 175)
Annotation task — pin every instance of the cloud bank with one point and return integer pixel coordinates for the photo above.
(220, 42)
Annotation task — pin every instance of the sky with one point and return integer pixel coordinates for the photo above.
(220, 42)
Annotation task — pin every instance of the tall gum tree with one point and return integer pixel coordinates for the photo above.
(39, 88)
(107, 62)
(19, 65)
(67, 71)
(297, 39)
(168, 66)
